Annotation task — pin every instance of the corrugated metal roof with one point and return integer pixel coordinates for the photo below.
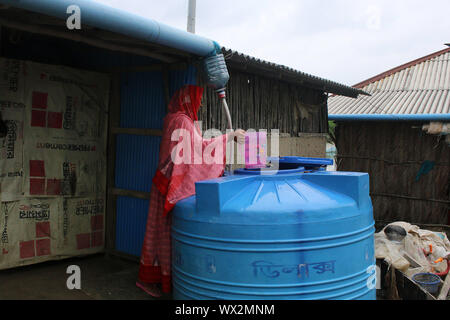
(245, 62)
(421, 86)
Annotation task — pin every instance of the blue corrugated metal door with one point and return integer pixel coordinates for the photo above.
(142, 106)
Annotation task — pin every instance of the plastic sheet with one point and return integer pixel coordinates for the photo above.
(408, 254)
(52, 162)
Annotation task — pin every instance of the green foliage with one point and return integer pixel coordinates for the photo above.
(331, 132)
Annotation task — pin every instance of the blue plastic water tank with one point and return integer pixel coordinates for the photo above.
(303, 235)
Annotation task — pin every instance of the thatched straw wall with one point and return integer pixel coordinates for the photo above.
(393, 153)
(258, 102)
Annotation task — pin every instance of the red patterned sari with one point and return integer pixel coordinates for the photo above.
(174, 182)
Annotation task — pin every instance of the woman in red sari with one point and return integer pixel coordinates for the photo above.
(176, 181)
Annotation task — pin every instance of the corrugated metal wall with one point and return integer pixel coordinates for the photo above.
(142, 106)
(131, 222)
(178, 78)
(142, 100)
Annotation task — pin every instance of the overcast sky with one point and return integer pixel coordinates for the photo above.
(342, 40)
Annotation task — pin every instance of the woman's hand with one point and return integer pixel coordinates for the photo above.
(239, 136)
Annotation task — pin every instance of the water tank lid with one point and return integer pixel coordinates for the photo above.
(302, 161)
(258, 172)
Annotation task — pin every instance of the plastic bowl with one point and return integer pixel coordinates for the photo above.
(429, 281)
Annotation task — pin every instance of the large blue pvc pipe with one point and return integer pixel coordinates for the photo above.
(104, 17)
(389, 117)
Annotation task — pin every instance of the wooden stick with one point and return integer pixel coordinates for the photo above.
(137, 131)
(111, 204)
(445, 288)
(130, 193)
(406, 197)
